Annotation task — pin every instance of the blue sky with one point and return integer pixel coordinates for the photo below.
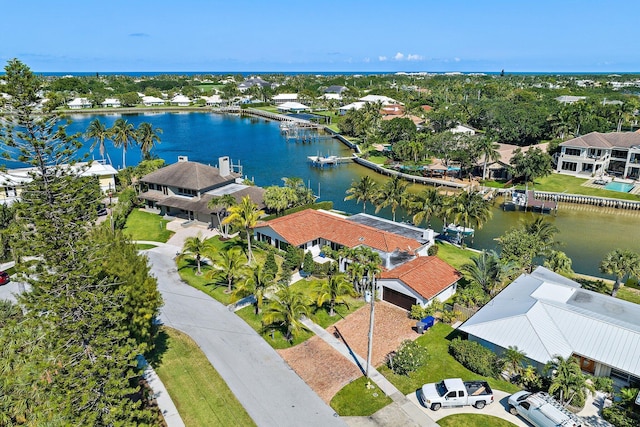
(327, 35)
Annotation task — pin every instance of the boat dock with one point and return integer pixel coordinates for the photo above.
(329, 161)
(527, 200)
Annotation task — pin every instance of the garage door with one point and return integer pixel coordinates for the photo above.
(397, 298)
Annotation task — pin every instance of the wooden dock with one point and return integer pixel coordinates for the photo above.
(328, 161)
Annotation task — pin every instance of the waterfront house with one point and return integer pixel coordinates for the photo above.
(254, 81)
(152, 101)
(353, 106)
(499, 169)
(593, 154)
(384, 100)
(111, 102)
(407, 279)
(185, 188)
(213, 100)
(12, 180)
(79, 103)
(419, 282)
(180, 100)
(293, 107)
(569, 99)
(282, 98)
(545, 314)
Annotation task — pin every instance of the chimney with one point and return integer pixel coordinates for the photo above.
(183, 159)
(428, 235)
(223, 166)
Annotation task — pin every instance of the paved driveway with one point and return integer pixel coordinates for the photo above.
(265, 385)
(499, 408)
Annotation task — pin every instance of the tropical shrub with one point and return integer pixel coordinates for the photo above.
(308, 264)
(603, 384)
(433, 250)
(475, 357)
(270, 265)
(292, 258)
(417, 312)
(621, 417)
(409, 357)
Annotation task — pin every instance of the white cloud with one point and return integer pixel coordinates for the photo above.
(382, 58)
(456, 59)
(399, 56)
(367, 60)
(413, 57)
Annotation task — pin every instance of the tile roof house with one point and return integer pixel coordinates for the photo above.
(184, 189)
(595, 153)
(410, 276)
(545, 314)
(426, 278)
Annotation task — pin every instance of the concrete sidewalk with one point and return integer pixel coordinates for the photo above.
(412, 414)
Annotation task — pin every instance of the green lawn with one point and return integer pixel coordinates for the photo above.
(200, 394)
(454, 255)
(570, 184)
(629, 294)
(274, 338)
(145, 246)
(473, 420)
(147, 226)
(355, 399)
(440, 364)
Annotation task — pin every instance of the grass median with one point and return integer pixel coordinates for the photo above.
(198, 391)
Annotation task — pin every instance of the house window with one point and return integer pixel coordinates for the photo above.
(165, 191)
(569, 166)
(620, 154)
(186, 192)
(572, 151)
(10, 191)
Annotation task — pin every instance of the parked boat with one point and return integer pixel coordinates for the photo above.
(458, 229)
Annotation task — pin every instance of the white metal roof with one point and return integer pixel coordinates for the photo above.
(545, 314)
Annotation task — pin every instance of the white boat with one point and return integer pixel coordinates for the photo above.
(458, 229)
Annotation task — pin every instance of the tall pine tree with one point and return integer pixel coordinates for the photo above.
(74, 350)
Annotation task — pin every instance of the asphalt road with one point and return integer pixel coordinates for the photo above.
(271, 392)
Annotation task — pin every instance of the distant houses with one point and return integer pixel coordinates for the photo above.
(79, 103)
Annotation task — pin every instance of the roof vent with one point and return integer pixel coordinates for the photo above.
(183, 159)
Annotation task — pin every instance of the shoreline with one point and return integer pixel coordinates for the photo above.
(133, 110)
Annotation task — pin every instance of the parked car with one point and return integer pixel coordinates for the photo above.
(455, 392)
(542, 410)
(4, 278)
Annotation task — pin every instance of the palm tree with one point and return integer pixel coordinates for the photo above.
(196, 246)
(245, 215)
(99, 133)
(363, 191)
(425, 205)
(123, 134)
(393, 193)
(487, 271)
(258, 283)
(334, 290)
(620, 263)
(545, 233)
(228, 265)
(218, 203)
(567, 379)
(469, 209)
(513, 360)
(489, 150)
(147, 137)
(285, 309)
(559, 262)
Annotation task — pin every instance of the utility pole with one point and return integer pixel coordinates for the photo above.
(371, 320)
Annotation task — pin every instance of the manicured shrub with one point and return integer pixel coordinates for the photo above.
(475, 357)
(417, 312)
(292, 258)
(308, 265)
(270, 265)
(433, 250)
(409, 357)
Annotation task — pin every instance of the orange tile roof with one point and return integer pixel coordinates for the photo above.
(427, 275)
(310, 224)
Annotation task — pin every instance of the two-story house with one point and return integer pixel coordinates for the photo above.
(185, 188)
(616, 153)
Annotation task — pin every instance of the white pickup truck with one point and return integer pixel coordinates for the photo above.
(455, 392)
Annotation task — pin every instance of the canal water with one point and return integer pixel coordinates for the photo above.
(587, 233)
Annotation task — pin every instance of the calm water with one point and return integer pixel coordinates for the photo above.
(587, 233)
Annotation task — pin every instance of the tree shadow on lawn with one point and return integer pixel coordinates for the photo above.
(160, 347)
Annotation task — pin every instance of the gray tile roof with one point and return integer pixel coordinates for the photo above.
(189, 175)
(605, 140)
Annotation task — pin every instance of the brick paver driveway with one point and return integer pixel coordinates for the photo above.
(326, 371)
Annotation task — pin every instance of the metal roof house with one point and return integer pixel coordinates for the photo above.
(545, 314)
